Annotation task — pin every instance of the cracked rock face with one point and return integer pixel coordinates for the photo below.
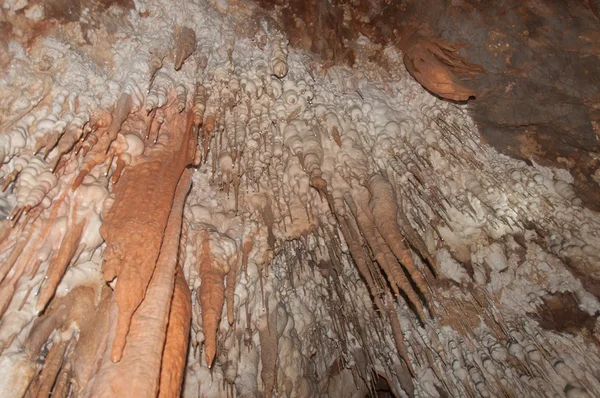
(204, 199)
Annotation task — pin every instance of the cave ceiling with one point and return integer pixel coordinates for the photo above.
(291, 198)
(529, 70)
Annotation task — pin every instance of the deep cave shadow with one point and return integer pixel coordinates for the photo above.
(382, 388)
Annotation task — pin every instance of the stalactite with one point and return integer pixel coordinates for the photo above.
(229, 291)
(59, 264)
(98, 151)
(397, 334)
(268, 352)
(60, 317)
(212, 296)
(42, 387)
(92, 342)
(384, 257)
(8, 286)
(384, 209)
(138, 371)
(185, 44)
(123, 258)
(360, 259)
(177, 338)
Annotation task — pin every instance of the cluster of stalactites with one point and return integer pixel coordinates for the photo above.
(106, 161)
(298, 162)
(73, 172)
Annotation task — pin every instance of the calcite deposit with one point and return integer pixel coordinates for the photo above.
(198, 202)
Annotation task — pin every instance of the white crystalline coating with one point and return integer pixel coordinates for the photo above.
(279, 55)
(566, 191)
(16, 139)
(157, 97)
(181, 96)
(496, 258)
(19, 369)
(34, 183)
(451, 268)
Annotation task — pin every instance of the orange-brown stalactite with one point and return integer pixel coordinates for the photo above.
(176, 345)
(74, 313)
(92, 341)
(21, 242)
(185, 43)
(360, 259)
(98, 152)
(416, 241)
(53, 319)
(42, 386)
(248, 245)
(137, 374)
(60, 262)
(5, 229)
(383, 255)
(268, 349)
(62, 384)
(212, 296)
(229, 292)
(9, 285)
(33, 235)
(83, 210)
(133, 228)
(397, 333)
(34, 238)
(384, 208)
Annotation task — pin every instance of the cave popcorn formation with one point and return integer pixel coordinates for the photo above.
(192, 208)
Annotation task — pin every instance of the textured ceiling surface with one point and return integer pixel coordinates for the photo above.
(530, 68)
(299, 199)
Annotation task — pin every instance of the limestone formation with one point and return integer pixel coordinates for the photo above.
(194, 205)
